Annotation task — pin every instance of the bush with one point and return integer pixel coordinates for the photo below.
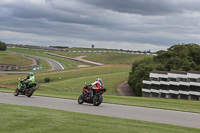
(140, 71)
(3, 46)
(46, 80)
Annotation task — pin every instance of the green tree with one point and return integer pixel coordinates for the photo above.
(140, 71)
(183, 57)
(3, 46)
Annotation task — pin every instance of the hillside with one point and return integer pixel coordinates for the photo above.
(15, 59)
(107, 58)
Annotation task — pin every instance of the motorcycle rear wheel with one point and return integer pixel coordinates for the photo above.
(16, 93)
(29, 93)
(81, 99)
(97, 100)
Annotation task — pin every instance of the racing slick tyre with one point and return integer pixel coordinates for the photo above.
(16, 93)
(81, 99)
(29, 92)
(97, 100)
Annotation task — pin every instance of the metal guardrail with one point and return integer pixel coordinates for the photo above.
(130, 52)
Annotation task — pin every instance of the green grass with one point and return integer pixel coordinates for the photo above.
(73, 79)
(6, 90)
(71, 73)
(15, 59)
(23, 119)
(107, 58)
(76, 84)
(117, 58)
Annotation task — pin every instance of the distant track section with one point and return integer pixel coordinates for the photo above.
(54, 64)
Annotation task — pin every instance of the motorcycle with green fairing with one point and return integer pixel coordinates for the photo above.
(26, 89)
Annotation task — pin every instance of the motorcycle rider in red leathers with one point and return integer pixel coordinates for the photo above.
(98, 83)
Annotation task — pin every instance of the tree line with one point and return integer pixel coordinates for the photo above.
(3, 46)
(180, 57)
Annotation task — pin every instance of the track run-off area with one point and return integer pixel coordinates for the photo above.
(122, 111)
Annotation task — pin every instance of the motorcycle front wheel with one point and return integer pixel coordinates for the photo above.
(81, 99)
(16, 93)
(97, 100)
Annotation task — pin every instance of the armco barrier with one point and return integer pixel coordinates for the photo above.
(111, 51)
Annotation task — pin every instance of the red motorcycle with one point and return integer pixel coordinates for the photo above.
(91, 95)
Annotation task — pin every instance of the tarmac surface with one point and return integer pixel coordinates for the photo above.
(122, 111)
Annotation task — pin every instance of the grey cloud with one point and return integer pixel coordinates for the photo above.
(147, 7)
(134, 21)
(57, 12)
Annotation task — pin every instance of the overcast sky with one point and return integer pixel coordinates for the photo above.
(116, 24)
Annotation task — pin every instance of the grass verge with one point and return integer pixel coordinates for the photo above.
(24, 119)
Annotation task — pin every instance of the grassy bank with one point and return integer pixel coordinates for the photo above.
(23, 119)
(107, 58)
(10, 58)
(74, 79)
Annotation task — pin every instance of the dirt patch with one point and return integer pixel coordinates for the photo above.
(82, 66)
(80, 57)
(124, 89)
(9, 86)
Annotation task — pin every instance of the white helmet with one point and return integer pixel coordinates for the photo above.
(99, 79)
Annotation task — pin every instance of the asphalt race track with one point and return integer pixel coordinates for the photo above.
(54, 64)
(138, 113)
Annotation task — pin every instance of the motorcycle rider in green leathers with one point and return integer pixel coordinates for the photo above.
(30, 78)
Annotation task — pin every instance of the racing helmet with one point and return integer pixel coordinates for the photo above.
(31, 74)
(99, 79)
